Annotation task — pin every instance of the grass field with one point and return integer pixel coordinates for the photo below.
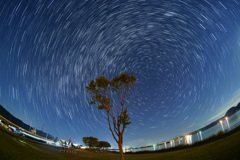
(14, 147)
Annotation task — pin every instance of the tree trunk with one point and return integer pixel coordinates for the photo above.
(120, 146)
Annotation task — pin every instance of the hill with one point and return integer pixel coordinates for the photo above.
(230, 112)
(10, 117)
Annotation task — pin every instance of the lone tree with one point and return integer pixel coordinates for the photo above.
(103, 144)
(110, 95)
(90, 141)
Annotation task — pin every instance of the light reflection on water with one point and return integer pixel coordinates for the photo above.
(228, 124)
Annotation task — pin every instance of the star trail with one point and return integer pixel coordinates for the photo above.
(185, 54)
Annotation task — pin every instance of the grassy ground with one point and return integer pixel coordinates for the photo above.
(14, 147)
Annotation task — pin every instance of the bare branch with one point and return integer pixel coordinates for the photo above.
(112, 130)
(124, 126)
(115, 127)
(114, 123)
(117, 111)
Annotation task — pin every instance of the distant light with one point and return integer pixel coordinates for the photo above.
(200, 131)
(188, 139)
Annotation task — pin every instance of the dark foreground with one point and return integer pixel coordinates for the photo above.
(14, 147)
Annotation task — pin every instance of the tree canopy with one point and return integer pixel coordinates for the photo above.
(103, 144)
(90, 141)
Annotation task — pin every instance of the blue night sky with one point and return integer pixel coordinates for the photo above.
(185, 54)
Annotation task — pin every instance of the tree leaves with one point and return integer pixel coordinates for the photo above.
(102, 82)
(123, 81)
(103, 144)
(90, 141)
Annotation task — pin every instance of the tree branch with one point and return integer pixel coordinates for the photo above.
(114, 124)
(111, 129)
(124, 126)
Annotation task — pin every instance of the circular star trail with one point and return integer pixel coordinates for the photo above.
(185, 54)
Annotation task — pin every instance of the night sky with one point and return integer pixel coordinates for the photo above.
(185, 54)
